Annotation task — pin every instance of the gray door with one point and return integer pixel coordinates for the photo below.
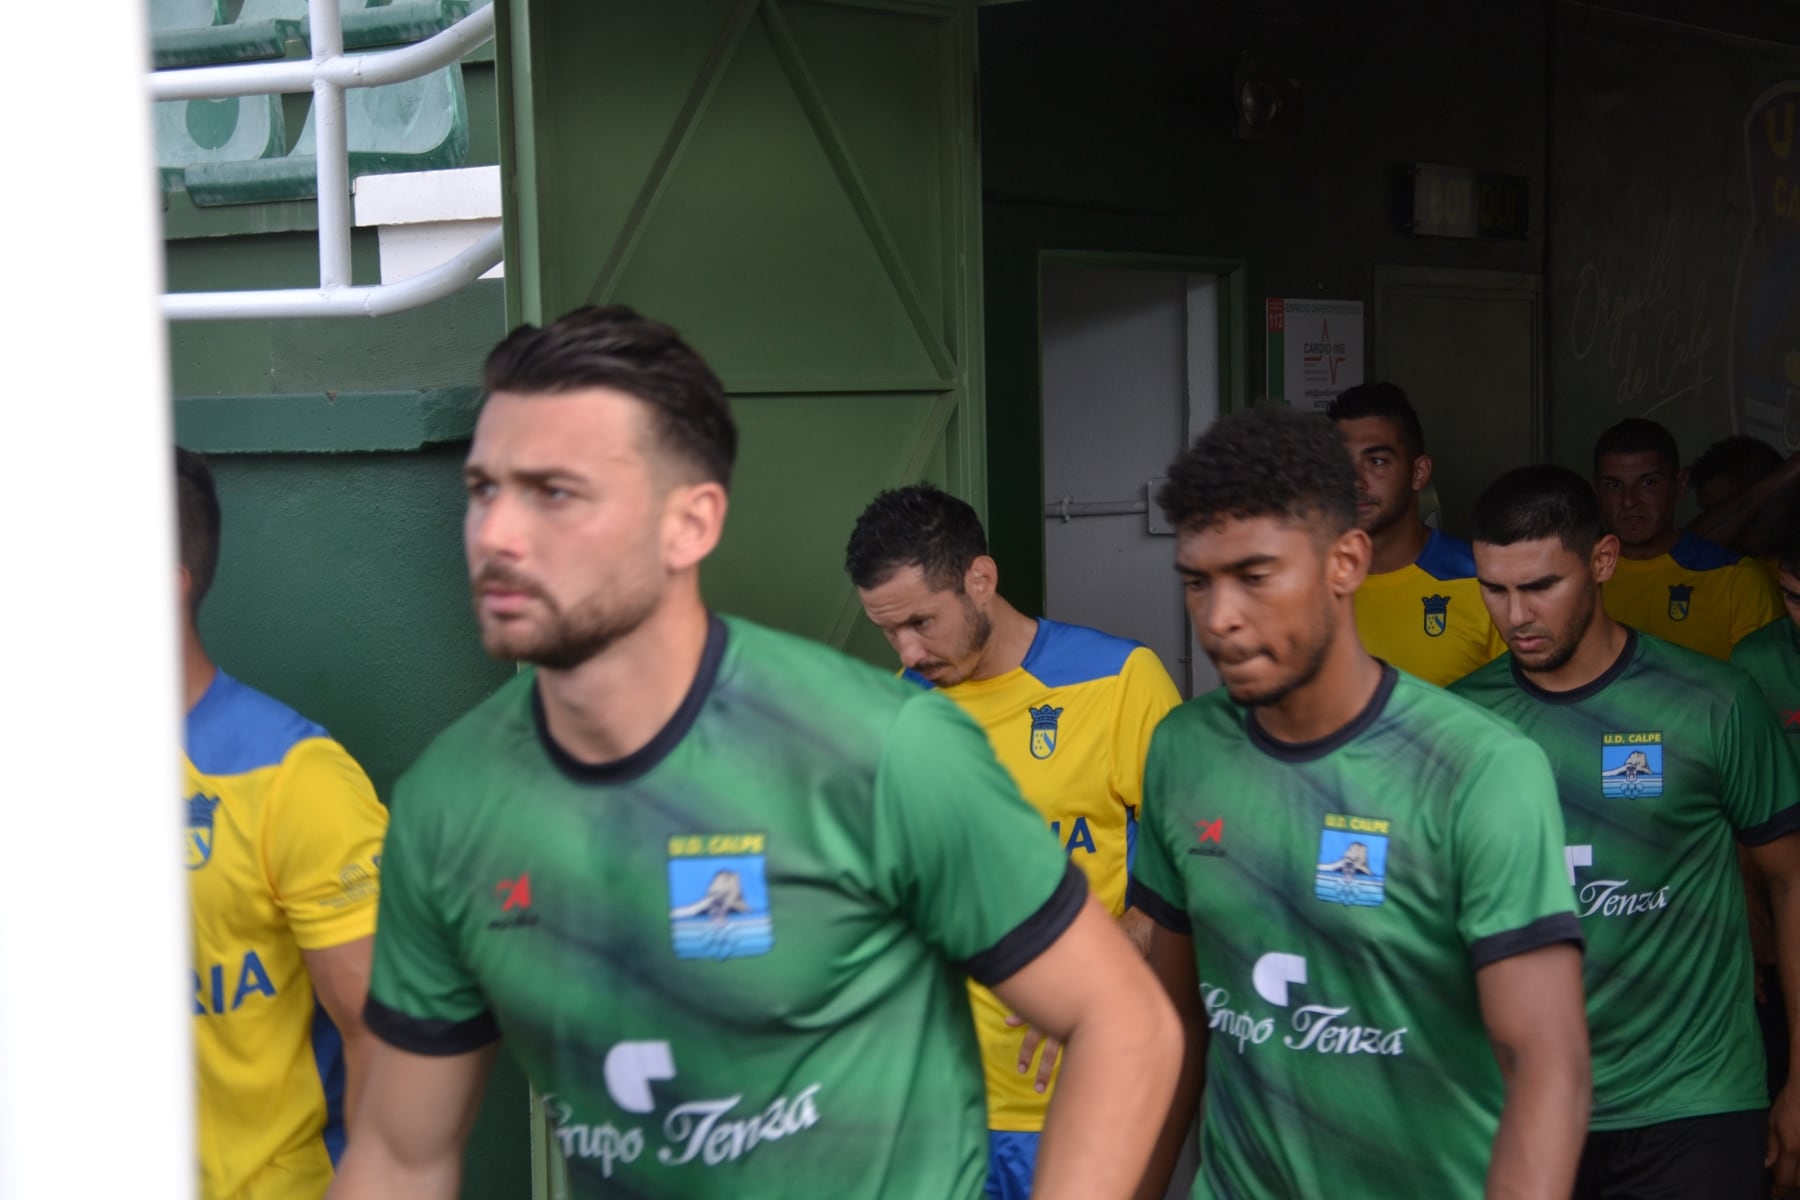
(1466, 347)
(1131, 371)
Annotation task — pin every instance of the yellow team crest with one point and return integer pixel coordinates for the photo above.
(1679, 596)
(1437, 615)
(1043, 730)
(200, 829)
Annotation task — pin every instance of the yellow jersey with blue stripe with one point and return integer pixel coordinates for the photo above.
(284, 835)
(1427, 618)
(1072, 726)
(1699, 595)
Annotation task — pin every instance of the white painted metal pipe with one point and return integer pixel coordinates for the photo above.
(96, 985)
(331, 148)
(345, 70)
(374, 301)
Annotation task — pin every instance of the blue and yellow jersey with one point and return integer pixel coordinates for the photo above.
(1699, 595)
(284, 839)
(1072, 725)
(1427, 618)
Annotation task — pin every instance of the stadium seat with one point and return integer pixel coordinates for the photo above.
(236, 129)
(188, 39)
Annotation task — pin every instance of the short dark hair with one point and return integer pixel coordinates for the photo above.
(1269, 461)
(197, 522)
(915, 526)
(1637, 435)
(1740, 457)
(612, 346)
(1384, 400)
(1528, 504)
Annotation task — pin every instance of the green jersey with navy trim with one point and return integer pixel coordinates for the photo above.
(1771, 656)
(735, 960)
(1341, 895)
(1659, 762)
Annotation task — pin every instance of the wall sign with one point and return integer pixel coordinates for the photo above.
(1315, 350)
(1459, 202)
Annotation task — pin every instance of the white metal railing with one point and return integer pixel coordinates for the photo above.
(326, 75)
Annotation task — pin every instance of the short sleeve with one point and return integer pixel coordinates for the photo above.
(1146, 694)
(422, 997)
(1512, 882)
(322, 845)
(1156, 885)
(1755, 600)
(1759, 775)
(970, 865)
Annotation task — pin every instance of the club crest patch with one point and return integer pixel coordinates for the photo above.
(719, 896)
(1680, 596)
(1631, 765)
(1437, 615)
(200, 829)
(1043, 730)
(1352, 864)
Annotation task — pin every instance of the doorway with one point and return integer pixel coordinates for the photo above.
(1139, 355)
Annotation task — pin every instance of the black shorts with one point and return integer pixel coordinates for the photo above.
(1715, 1157)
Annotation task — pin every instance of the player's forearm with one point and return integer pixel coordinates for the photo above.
(370, 1171)
(1118, 1073)
(1179, 1122)
(1542, 1126)
(1784, 901)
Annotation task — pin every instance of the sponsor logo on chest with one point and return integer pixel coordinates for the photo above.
(702, 1133)
(1309, 1028)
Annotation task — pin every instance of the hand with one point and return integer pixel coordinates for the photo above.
(1783, 1154)
(1027, 1048)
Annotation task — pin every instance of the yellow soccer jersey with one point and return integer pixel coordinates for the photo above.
(1699, 595)
(1427, 618)
(284, 839)
(1072, 724)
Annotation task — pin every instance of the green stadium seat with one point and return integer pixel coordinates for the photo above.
(418, 125)
(236, 129)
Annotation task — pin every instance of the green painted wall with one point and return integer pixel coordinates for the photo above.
(793, 185)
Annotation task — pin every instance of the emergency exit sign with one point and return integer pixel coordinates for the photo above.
(1460, 202)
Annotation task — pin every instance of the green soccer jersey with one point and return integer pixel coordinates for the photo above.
(1771, 656)
(735, 960)
(1341, 895)
(1658, 762)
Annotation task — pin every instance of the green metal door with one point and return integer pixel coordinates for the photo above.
(793, 185)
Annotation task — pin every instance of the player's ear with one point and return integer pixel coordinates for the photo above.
(982, 579)
(1347, 560)
(693, 522)
(1421, 472)
(1680, 484)
(1604, 558)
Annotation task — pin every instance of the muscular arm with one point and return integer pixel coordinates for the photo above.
(1534, 1010)
(1090, 991)
(408, 1139)
(1779, 863)
(340, 978)
(1172, 960)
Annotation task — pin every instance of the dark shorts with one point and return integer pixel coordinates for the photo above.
(1716, 1157)
(1012, 1160)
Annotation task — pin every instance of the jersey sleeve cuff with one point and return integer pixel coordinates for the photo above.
(1780, 825)
(1034, 935)
(1138, 895)
(1545, 931)
(440, 1039)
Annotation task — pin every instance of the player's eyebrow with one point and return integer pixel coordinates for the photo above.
(1242, 564)
(1388, 450)
(1530, 585)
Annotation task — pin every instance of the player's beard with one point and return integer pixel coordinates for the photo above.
(563, 640)
(1563, 648)
(1311, 653)
(1386, 517)
(962, 664)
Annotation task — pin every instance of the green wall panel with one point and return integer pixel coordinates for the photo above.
(794, 185)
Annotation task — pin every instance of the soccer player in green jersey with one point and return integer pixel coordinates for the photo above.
(1662, 757)
(1357, 879)
(1771, 655)
(718, 888)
